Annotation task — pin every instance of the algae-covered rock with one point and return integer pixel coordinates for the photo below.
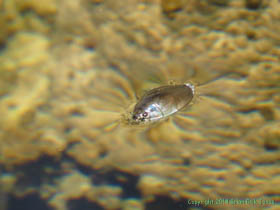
(171, 6)
(70, 101)
(77, 185)
(26, 91)
(197, 154)
(25, 50)
(131, 204)
(46, 7)
(17, 16)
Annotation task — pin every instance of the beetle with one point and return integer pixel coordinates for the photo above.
(161, 102)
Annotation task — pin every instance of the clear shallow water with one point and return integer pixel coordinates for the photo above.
(63, 145)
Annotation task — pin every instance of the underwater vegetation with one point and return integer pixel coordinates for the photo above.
(76, 78)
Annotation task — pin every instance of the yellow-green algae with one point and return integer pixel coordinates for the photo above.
(225, 146)
(25, 15)
(77, 185)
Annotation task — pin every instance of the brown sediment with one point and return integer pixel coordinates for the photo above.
(69, 78)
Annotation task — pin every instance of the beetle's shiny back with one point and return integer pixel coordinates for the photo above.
(162, 102)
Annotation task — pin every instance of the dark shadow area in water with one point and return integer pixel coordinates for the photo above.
(126, 181)
(2, 46)
(271, 146)
(83, 204)
(35, 174)
(28, 202)
(44, 170)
